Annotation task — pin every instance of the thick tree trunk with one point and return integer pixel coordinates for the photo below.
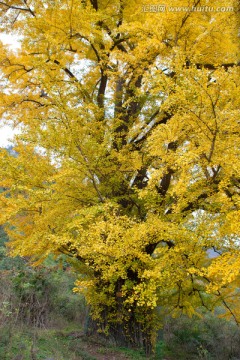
(130, 333)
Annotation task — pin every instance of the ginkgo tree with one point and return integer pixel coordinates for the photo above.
(128, 154)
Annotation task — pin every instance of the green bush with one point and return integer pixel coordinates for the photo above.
(209, 338)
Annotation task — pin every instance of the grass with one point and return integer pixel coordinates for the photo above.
(40, 344)
(133, 354)
(67, 344)
(184, 339)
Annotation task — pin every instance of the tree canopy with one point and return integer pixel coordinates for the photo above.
(128, 154)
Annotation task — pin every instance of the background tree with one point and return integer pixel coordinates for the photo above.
(128, 156)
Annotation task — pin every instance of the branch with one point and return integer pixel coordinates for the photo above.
(150, 248)
(72, 76)
(67, 71)
(102, 89)
(91, 174)
(184, 19)
(94, 4)
(118, 96)
(163, 118)
(201, 66)
(134, 106)
(193, 205)
(118, 43)
(229, 309)
(33, 101)
(18, 8)
(141, 178)
(78, 35)
(165, 183)
(71, 252)
(215, 67)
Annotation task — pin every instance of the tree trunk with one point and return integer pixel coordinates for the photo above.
(130, 333)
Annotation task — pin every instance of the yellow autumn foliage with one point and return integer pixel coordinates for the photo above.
(127, 157)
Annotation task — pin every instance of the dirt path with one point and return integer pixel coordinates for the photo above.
(103, 353)
(95, 349)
